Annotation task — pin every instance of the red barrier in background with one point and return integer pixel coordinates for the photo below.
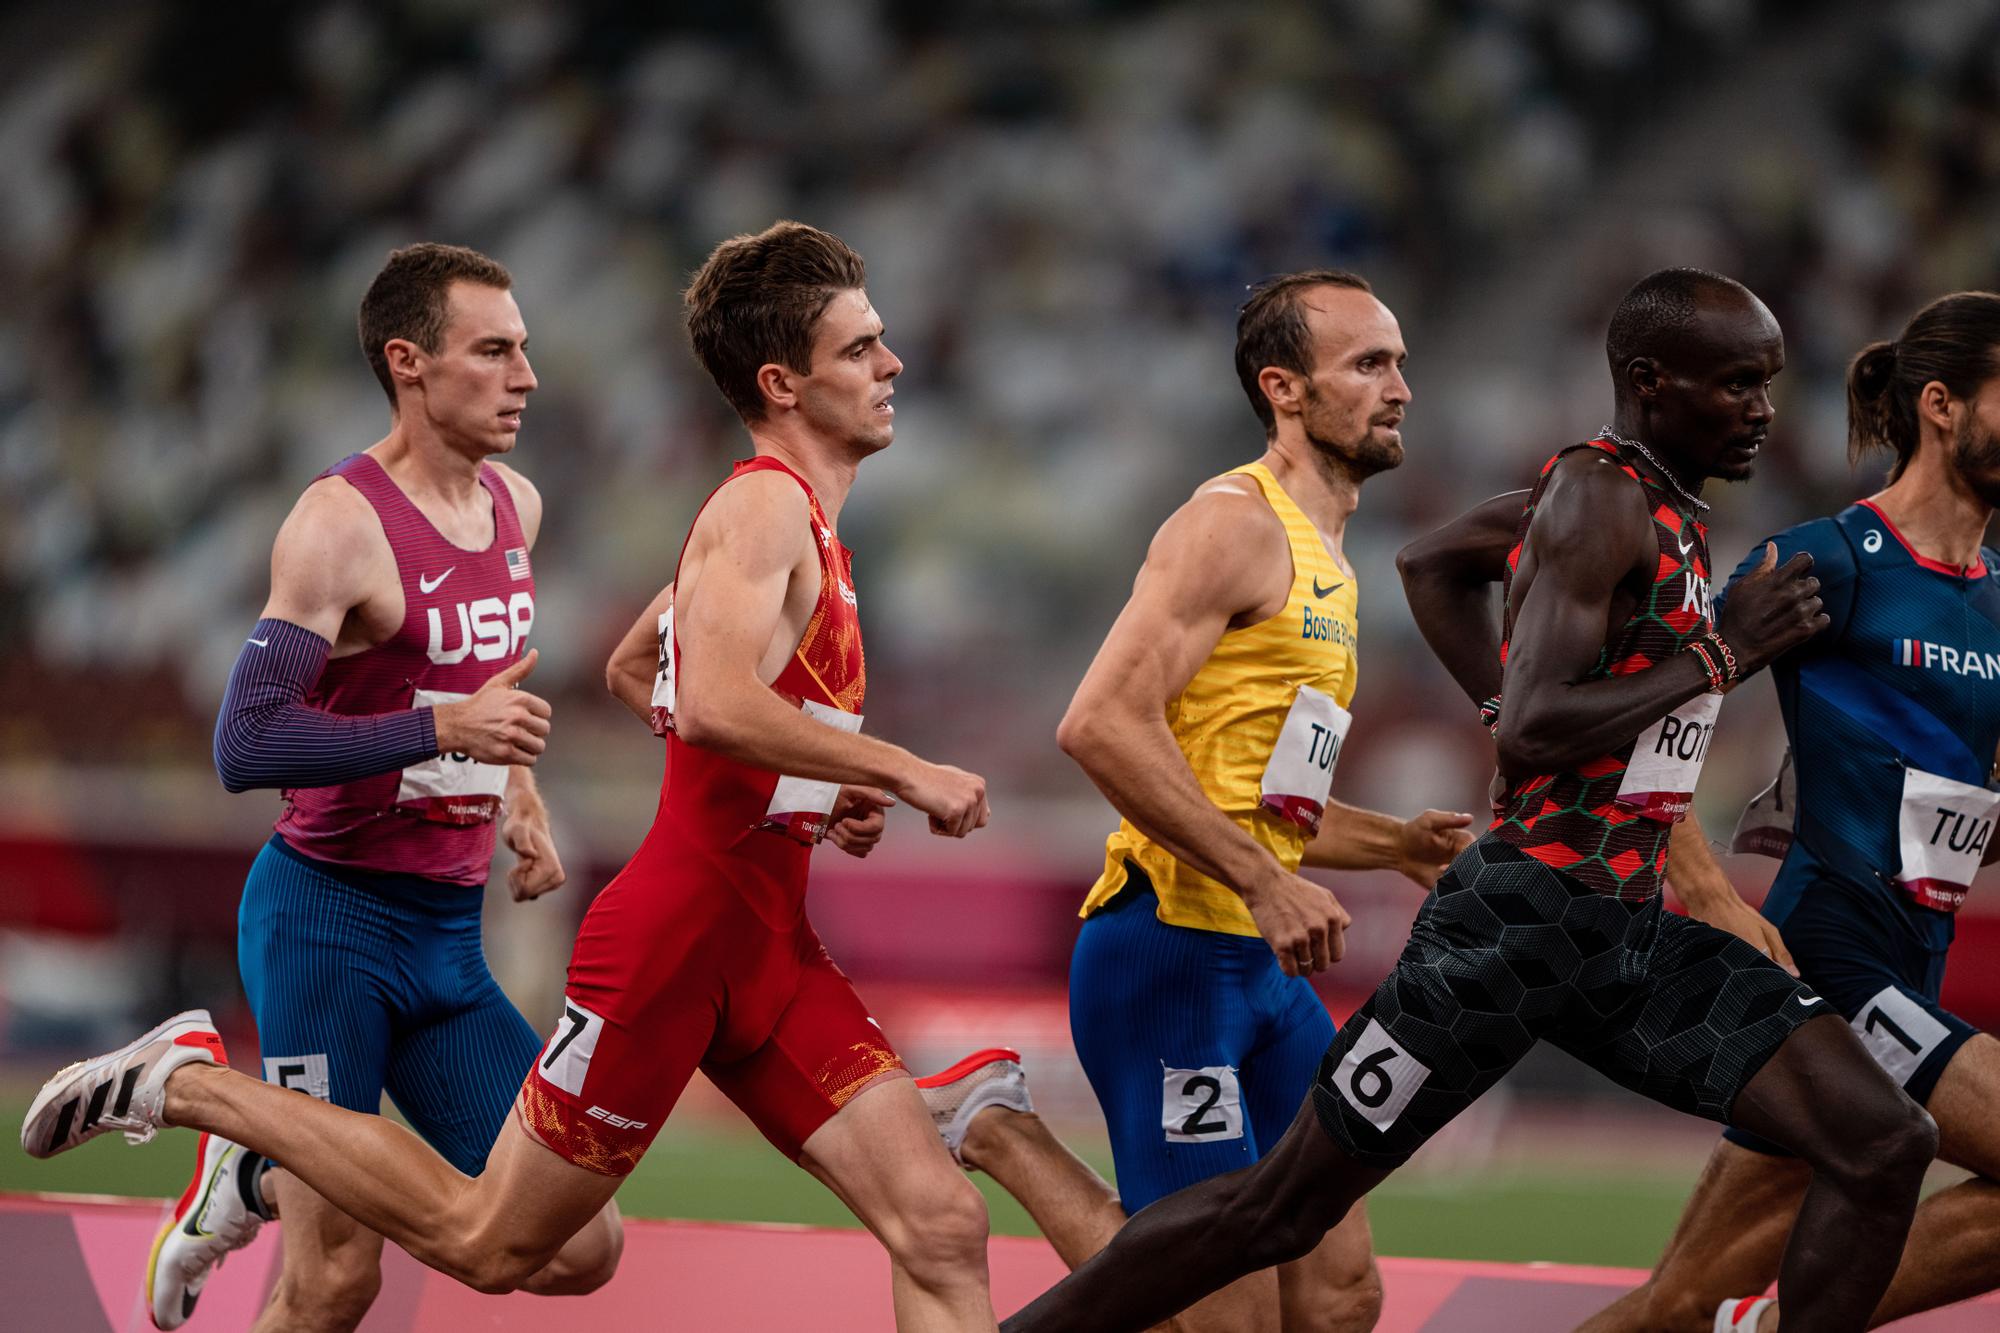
(984, 921)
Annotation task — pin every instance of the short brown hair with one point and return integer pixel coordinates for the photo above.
(410, 299)
(1271, 330)
(757, 299)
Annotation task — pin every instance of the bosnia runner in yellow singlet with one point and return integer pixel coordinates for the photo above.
(1213, 719)
(1229, 720)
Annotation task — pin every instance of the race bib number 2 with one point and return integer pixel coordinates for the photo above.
(1201, 1105)
(1299, 776)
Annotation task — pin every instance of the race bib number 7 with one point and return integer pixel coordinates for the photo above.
(1299, 776)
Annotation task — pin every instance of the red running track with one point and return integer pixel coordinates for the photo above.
(77, 1264)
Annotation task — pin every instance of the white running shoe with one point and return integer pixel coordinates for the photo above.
(124, 1090)
(210, 1221)
(1742, 1314)
(986, 1078)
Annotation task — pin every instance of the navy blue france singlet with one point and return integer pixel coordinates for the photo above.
(1905, 677)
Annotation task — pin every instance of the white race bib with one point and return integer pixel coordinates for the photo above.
(1943, 829)
(1666, 761)
(800, 806)
(451, 788)
(1299, 776)
(663, 677)
(1765, 828)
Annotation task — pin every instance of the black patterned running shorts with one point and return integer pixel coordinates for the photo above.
(1509, 951)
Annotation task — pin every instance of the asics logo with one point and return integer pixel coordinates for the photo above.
(66, 1119)
(429, 585)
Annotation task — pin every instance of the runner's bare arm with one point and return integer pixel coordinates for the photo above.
(1708, 893)
(330, 555)
(749, 545)
(1448, 578)
(1351, 838)
(537, 867)
(636, 660)
(1591, 532)
(1220, 557)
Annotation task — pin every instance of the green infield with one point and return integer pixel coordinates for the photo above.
(1566, 1213)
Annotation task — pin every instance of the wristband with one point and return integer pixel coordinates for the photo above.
(1731, 671)
(1716, 680)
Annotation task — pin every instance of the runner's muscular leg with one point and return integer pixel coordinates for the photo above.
(1208, 1235)
(1728, 1243)
(332, 1266)
(1079, 1213)
(1954, 1248)
(881, 1154)
(492, 1232)
(1337, 1288)
(1822, 1096)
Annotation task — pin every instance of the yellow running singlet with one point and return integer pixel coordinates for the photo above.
(1228, 720)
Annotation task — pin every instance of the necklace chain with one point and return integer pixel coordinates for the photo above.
(1672, 481)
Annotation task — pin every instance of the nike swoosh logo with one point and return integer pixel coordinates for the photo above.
(1322, 592)
(188, 1299)
(427, 586)
(1685, 546)
(261, 643)
(1806, 1004)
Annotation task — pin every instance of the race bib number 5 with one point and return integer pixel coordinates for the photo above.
(450, 788)
(1667, 759)
(1299, 776)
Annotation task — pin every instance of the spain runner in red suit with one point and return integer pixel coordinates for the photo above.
(699, 954)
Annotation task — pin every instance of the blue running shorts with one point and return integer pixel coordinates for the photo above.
(1882, 975)
(1200, 1049)
(363, 983)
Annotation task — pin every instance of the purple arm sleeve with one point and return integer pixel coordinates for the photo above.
(266, 737)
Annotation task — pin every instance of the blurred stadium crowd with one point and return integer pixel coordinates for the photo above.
(1061, 203)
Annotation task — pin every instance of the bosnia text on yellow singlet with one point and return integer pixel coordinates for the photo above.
(1229, 719)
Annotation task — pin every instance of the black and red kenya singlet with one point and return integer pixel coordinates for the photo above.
(1571, 820)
